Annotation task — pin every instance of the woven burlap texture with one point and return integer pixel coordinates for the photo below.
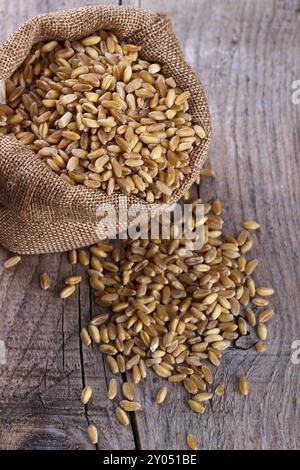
(41, 213)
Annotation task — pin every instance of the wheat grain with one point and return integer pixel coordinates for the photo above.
(94, 334)
(72, 280)
(250, 266)
(262, 331)
(128, 405)
(12, 261)
(161, 395)
(250, 317)
(112, 389)
(72, 257)
(83, 258)
(67, 292)
(174, 310)
(86, 394)
(250, 225)
(265, 315)
(128, 391)
(265, 291)
(219, 390)
(122, 416)
(207, 172)
(92, 434)
(196, 406)
(85, 337)
(100, 112)
(260, 302)
(190, 386)
(203, 396)
(99, 319)
(113, 365)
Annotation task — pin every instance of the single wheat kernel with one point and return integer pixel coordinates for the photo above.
(67, 292)
(94, 111)
(92, 433)
(122, 416)
(265, 291)
(161, 395)
(86, 394)
(250, 225)
(128, 405)
(260, 347)
(128, 391)
(219, 390)
(196, 406)
(85, 337)
(207, 172)
(72, 280)
(262, 331)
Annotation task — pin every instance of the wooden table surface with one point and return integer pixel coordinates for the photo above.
(246, 52)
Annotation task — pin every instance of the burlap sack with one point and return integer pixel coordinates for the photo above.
(39, 212)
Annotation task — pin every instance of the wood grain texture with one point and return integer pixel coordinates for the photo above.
(46, 365)
(246, 54)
